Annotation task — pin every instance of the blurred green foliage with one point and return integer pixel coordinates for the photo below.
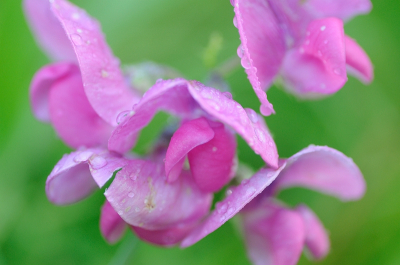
(361, 121)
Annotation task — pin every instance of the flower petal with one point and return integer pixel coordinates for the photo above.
(75, 176)
(317, 240)
(103, 81)
(48, 30)
(343, 9)
(143, 198)
(40, 87)
(191, 134)
(112, 226)
(324, 169)
(262, 45)
(72, 115)
(318, 66)
(213, 163)
(358, 62)
(274, 234)
(245, 122)
(236, 199)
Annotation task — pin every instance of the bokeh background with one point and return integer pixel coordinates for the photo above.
(361, 121)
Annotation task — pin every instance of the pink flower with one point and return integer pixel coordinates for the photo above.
(303, 41)
(273, 233)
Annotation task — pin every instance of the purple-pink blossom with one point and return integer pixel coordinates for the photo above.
(303, 42)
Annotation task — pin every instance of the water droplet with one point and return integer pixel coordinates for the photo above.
(240, 51)
(120, 212)
(337, 71)
(244, 182)
(214, 149)
(235, 21)
(222, 218)
(122, 116)
(323, 28)
(104, 73)
(76, 39)
(250, 191)
(83, 156)
(245, 62)
(227, 95)
(252, 115)
(222, 209)
(230, 211)
(75, 16)
(79, 30)
(131, 194)
(98, 162)
(260, 135)
(270, 143)
(228, 192)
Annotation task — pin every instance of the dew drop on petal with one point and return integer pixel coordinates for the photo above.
(323, 28)
(82, 156)
(227, 95)
(230, 211)
(76, 39)
(228, 192)
(122, 116)
(98, 162)
(260, 135)
(250, 191)
(240, 51)
(337, 71)
(245, 62)
(252, 115)
(104, 73)
(235, 21)
(120, 212)
(131, 194)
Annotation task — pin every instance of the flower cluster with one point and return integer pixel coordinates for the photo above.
(166, 196)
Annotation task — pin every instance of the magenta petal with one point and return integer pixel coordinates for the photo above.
(212, 163)
(48, 30)
(164, 237)
(343, 9)
(358, 62)
(247, 123)
(262, 45)
(112, 226)
(40, 87)
(317, 240)
(170, 95)
(77, 175)
(103, 80)
(318, 66)
(143, 198)
(324, 169)
(191, 134)
(72, 115)
(236, 199)
(274, 235)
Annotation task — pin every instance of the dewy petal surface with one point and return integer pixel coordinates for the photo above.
(318, 66)
(236, 199)
(274, 235)
(190, 135)
(323, 169)
(78, 174)
(358, 62)
(316, 238)
(48, 30)
(112, 226)
(262, 45)
(71, 114)
(102, 79)
(142, 197)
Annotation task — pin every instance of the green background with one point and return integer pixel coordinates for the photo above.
(361, 121)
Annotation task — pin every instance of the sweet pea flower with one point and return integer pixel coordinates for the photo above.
(275, 234)
(303, 42)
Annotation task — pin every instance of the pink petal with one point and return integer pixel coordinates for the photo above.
(72, 115)
(170, 95)
(191, 134)
(358, 62)
(262, 45)
(41, 84)
(324, 169)
(213, 163)
(103, 81)
(343, 9)
(48, 30)
(318, 66)
(274, 235)
(236, 199)
(245, 122)
(112, 226)
(317, 240)
(143, 198)
(164, 237)
(75, 176)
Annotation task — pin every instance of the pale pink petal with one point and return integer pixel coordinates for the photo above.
(343, 9)
(78, 174)
(274, 235)
(358, 62)
(191, 134)
(213, 163)
(318, 66)
(236, 199)
(112, 226)
(170, 95)
(317, 240)
(40, 87)
(48, 31)
(245, 122)
(143, 198)
(262, 45)
(103, 81)
(165, 237)
(324, 169)
(71, 114)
